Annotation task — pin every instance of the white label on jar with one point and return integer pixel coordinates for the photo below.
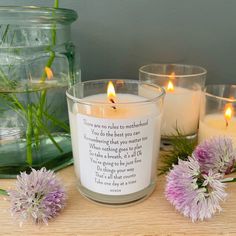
(115, 155)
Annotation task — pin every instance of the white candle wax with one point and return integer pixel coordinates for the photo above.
(214, 125)
(115, 146)
(181, 111)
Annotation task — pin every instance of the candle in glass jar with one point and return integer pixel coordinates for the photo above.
(218, 124)
(115, 141)
(183, 85)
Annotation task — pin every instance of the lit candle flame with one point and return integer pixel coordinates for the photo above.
(228, 113)
(111, 93)
(170, 86)
(48, 72)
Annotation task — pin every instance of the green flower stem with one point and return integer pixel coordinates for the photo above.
(3, 192)
(43, 94)
(49, 64)
(29, 136)
(54, 37)
(228, 180)
(56, 3)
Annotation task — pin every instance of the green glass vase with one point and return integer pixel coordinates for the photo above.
(37, 64)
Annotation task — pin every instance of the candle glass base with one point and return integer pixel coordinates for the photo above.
(117, 200)
(167, 141)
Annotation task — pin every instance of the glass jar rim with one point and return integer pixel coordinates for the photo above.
(142, 69)
(146, 101)
(210, 94)
(34, 14)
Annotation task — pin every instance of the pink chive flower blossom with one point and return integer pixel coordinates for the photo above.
(39, 196)
(217, 154)
(193, 194)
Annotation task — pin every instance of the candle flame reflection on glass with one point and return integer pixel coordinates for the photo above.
(48, 72)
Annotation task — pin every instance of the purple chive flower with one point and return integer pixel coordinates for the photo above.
(195, 195)
(38, 196)
(217, 154)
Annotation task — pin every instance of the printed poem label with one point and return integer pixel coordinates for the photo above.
(115, 156)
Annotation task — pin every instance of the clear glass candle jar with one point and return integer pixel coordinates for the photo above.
(218, 112)
(37, 64)
(183, 85)
(115, 137)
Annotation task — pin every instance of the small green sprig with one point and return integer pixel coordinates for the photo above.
(182, 148)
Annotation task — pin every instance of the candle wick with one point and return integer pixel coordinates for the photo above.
(226, 123)
(112, 101)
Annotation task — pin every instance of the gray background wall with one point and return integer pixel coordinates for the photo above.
(116, 37)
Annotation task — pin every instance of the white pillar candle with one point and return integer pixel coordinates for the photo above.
(181, 111)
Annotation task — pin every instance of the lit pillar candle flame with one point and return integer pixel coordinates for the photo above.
(228, 113)
(111, 93)
(170, 86)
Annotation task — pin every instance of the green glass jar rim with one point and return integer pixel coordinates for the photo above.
(32, 14)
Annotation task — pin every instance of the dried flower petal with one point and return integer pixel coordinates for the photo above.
(217, 154)
(195, 195)
(38, 196)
